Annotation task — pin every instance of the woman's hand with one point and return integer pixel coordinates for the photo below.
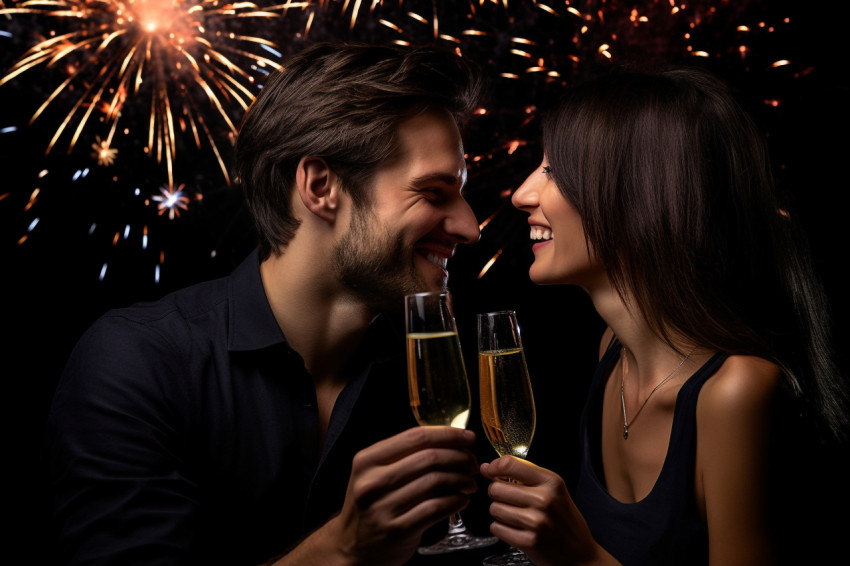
(533, 511)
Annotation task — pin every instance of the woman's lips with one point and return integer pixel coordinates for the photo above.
(539, 245)
(541, 235)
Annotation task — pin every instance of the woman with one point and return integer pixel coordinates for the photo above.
(655, 196)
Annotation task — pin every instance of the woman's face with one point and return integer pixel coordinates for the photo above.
(561, 253)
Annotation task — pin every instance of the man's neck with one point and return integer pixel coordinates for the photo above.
(321, 322)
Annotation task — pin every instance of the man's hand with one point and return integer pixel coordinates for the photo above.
(399, 487)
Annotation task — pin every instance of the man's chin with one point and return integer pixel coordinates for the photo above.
(391, 297)
(387, 294)
(432, 283)
(441, 288)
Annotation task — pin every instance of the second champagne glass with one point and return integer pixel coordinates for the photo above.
(508, 415)
(438, 387)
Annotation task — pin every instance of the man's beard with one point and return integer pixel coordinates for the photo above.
(378, 268)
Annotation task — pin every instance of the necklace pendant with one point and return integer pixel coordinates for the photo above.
(625, 432)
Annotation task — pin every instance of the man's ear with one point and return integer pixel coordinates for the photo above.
(317, 187)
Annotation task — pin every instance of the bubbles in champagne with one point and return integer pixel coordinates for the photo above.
(508, 414)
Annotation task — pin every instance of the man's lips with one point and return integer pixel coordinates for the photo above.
(437, 255)
(439, 261)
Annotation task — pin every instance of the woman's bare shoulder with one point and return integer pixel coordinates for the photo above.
(743, 383)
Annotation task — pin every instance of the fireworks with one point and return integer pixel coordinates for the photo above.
(172, 53)
(172, 200)
(104, 154)
(144, 95)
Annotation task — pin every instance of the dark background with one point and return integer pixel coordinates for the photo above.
(51, 290)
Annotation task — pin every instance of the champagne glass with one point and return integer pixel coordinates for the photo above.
(508, 415)
(439, 390)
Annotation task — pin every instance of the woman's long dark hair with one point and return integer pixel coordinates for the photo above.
(673, 183)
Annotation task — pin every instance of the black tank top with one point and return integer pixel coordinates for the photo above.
(664, 527)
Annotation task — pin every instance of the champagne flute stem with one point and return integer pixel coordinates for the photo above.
(456, 525)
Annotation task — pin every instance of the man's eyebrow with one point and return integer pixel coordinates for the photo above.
(444, 178)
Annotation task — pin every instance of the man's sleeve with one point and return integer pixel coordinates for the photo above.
(115, 457)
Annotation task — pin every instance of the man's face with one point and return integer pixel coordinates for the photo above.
(400, 242)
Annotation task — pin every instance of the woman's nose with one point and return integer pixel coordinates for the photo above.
(526, 195)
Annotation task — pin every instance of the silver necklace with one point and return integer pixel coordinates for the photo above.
(624, 359)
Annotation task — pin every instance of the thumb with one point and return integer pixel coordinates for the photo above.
(510, 467)
(501, 467)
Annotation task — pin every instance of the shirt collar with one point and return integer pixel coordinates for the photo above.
(254, 327)
(252, 322)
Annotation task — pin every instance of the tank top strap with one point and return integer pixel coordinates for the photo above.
(694, 385)
(684, 427)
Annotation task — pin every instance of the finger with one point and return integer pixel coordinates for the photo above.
(433, 485)
(425, 461)
(514, 516)
(423, 502)
(510, 467)
(376, 482)
(518, 538)
(514, 494)
(430, 511)
(502, 467)
(413, 440)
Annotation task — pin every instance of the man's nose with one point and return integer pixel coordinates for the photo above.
(461, 223)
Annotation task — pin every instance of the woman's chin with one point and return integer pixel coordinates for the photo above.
(542, 277)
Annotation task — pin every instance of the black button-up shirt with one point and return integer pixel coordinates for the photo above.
(186, 430)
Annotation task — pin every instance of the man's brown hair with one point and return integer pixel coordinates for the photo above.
(343, 103)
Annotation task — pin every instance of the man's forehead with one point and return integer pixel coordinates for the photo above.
(430, 148)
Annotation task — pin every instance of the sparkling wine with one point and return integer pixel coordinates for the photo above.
(508, 415)
(439, 390)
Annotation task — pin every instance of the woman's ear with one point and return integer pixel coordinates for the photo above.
(317, 186)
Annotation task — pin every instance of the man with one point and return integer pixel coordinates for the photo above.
(220, 424)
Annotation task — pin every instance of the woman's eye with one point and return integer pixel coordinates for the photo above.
(546, 170)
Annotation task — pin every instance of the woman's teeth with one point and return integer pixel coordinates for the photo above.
(538, 233)
(437, 260)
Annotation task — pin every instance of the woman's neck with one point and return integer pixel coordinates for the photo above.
(649, 355)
